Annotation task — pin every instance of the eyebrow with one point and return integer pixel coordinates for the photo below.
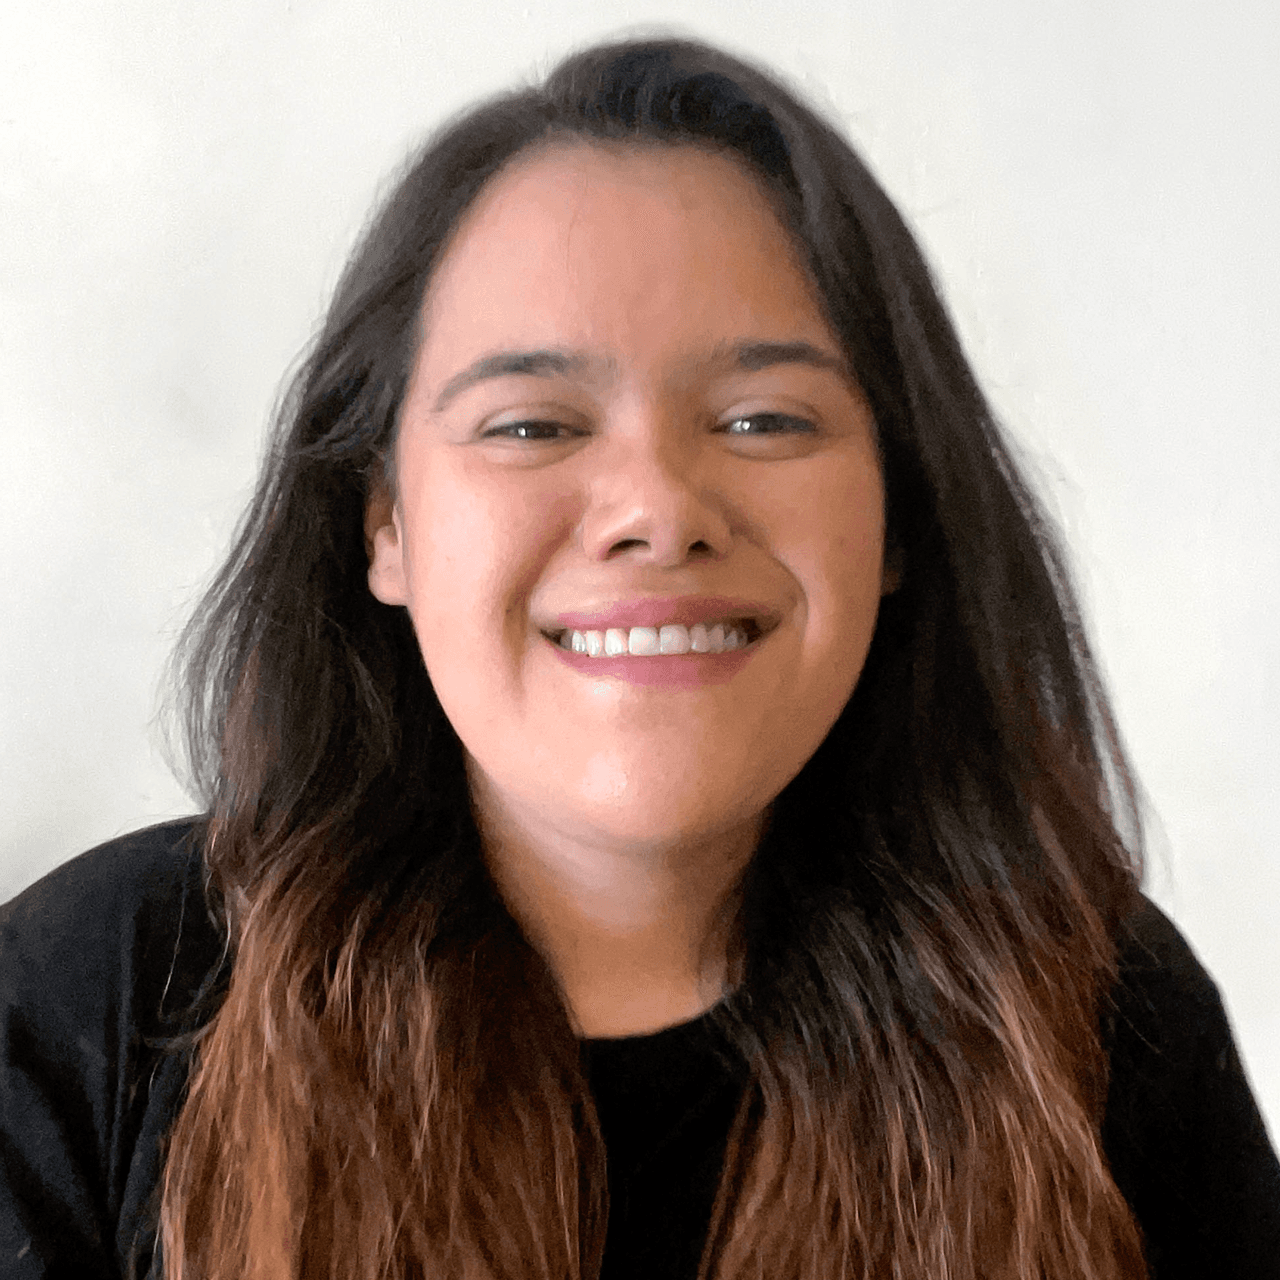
(555, 363)
(506, 364)
(764, 355)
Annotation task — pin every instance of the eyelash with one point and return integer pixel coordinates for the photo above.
(799, 426)
(520, 430)
(538, 429)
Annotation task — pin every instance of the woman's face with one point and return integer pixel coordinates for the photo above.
(629, 424)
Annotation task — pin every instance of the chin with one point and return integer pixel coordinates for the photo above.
(657, 818)
(615, 800)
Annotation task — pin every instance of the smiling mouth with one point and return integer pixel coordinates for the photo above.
(669, 640)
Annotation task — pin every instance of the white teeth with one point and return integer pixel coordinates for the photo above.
(651, 641)
(643, 641)
(671, 639)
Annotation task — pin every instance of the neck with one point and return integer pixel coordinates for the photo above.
(636, 934)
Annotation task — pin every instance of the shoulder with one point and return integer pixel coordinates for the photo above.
(114, 877)
(105, 963)
(119, 924)
(1166, 1021)
(1158, 965)
(1186, 1142)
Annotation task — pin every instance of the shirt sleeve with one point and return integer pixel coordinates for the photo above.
(1187, 1143)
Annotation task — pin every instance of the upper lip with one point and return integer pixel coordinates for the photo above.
(654, 611)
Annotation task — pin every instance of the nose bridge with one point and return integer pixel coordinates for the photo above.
(655, 496)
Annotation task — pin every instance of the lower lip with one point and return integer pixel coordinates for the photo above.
(666, 671)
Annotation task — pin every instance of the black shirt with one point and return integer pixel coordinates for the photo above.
(107, 957)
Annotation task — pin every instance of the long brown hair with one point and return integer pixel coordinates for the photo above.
(922, 943)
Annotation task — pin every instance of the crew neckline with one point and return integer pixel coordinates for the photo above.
(674, 1030)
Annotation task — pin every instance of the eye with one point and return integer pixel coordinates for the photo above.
(768, 424)
(533, 429)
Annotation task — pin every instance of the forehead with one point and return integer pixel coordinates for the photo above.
(628, 249)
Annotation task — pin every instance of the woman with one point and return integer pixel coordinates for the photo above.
(663, 819)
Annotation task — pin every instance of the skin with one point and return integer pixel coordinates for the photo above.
(616, 816)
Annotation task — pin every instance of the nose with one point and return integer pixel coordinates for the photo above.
(654, 499)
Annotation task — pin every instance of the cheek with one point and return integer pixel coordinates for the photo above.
(475, 552)
(851, 570)
(831, 534)
(840, 566)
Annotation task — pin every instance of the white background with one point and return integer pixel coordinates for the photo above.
(1096, 184)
